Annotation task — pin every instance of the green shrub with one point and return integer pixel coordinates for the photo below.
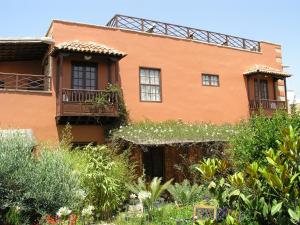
(185, 193)
(264, 193)
(260, 132)
(105, 178)
(33, 184)
(51, 183)
(168, 214)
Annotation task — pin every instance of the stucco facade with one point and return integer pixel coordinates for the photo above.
(181, 63)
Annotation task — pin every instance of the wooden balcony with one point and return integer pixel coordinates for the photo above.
(267, 105)
(24, 82)
(84, 103)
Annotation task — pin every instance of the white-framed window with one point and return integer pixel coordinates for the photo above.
(150, 85)
(210, 80)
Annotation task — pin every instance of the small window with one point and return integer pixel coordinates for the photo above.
(1, 84)
(150, 85)
(210, 80)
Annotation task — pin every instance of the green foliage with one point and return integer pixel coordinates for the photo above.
(66, 138)
(186, 193)
(123, 118)
(265, 193)
(259, 133)
(105, 178)
(13, 216)
(51, 183)
(172, 131)
(149, 194)
(168, 214)
(35, 185)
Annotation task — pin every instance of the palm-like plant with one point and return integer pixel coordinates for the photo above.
(153, 191)
(185, 193)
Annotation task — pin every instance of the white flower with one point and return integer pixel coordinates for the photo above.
(143, 195)
(133, 196)
(81, 194)
(63, 211)
(88, 211)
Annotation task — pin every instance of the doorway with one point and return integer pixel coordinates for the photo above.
(154, 162)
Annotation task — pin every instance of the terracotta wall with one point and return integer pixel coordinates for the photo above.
(181, 62)
(85, 133)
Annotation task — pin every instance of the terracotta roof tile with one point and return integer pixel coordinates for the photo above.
(265, 69)
(88, 47)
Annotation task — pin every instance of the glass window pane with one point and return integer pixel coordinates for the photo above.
(150, 84)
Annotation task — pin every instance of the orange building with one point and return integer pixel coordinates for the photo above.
(165, 71)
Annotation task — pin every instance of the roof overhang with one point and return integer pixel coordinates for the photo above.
(89, 48)
(267, 71)
(16, 49)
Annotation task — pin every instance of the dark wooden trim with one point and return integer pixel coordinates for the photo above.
(109, 74)
(95, 57)
(210, 75)
(60, 81)
(285, 93)
(248, 87)
(160, 84)
(274, 88)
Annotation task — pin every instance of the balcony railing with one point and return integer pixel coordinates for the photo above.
(24, 82)
(156, 27)
(267, 104)
(75, 102)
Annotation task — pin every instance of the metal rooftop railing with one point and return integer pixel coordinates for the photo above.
(156, 27)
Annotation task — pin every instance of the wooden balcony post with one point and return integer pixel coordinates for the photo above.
(17, 82)
(259, 92)
(117, 70)
(59, 92)
(285, 93)
(109, 78)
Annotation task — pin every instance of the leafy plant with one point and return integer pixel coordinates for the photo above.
(105, 179)
(185, 193)
(35, 184)
(265, 192)
(149, 194)
(259, 133)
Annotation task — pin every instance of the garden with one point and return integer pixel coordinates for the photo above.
(255, 181)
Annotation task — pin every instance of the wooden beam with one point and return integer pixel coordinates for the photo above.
(59, 83)
(285, 93)
(109, 78)
(274, 88)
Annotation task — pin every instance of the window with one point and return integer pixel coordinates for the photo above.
(210, 80)
(263, 89)
(150, 85)
(84, 76)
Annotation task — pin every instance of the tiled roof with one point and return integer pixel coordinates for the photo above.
(266, 70)
(88, 47)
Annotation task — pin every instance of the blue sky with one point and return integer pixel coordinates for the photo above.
(269, 20)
